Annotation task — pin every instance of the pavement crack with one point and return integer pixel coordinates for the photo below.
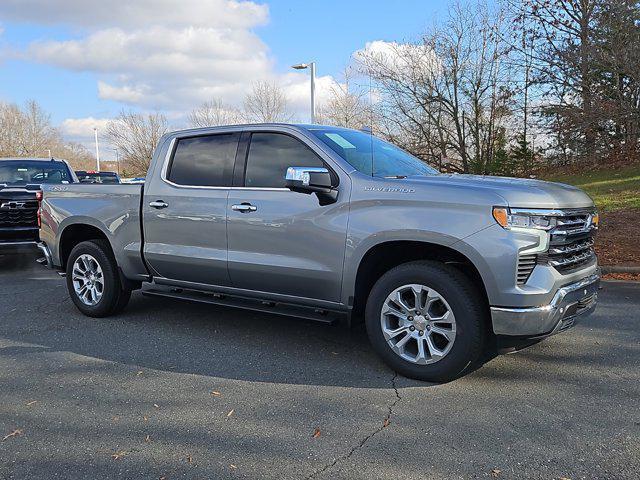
(385, 423)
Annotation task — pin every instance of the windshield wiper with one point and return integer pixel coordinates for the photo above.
(396, 176)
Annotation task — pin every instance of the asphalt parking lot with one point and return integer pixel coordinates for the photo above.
(177, 390)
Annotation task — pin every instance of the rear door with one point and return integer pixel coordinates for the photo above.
(185, 209)
(281, 241)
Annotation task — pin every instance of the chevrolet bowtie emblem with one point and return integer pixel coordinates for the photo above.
(12, 205)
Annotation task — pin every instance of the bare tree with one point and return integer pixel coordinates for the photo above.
(347, 105)
(136, 136)
(28, 131)
(214, 113)
(565, 67)
(445, 97)
(266, 103)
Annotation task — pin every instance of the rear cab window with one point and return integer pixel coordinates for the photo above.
(204, 161)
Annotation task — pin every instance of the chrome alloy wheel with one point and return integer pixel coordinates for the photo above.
(418, 324)
(88, 280)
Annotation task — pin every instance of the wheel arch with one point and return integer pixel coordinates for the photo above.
(383, 256)
(75, 233)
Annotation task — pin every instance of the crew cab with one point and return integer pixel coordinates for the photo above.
(21, 180)
(321, 222)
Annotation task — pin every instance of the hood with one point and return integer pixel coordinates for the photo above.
(517, 192)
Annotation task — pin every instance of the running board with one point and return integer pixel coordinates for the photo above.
(309, 313)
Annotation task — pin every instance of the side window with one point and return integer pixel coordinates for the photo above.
(205, 161)
(270, 154)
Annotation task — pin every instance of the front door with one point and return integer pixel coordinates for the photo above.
(281, 241)
(185, 210)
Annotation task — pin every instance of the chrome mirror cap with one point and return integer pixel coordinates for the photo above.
(302, 174)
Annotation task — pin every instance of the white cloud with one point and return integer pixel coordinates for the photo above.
(91, 14)
(81, 129)
(400, 56)
(168, 55)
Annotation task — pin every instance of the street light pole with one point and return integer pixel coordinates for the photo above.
(312, 67)
(313, 92)
(117, 159)
(95, 132)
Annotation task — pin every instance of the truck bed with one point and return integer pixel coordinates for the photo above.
(114, 210)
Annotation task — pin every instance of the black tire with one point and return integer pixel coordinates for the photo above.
(463, 299)
(114, 296)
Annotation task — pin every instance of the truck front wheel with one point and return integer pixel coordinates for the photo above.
(93, 281)
(425, 319)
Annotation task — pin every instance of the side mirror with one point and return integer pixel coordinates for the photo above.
(312, 180)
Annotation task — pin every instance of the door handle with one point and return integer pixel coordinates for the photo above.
(158, 204)
(244, 208)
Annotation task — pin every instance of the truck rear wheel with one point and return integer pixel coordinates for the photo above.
(93, 281)
(425, 319)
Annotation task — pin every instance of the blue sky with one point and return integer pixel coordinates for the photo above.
(82, 60)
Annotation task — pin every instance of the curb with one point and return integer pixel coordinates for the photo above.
(618, 269)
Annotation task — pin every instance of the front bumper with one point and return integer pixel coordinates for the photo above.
(568, 304)
(48, 260)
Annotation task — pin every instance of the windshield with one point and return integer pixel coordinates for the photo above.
(371, 155)
(17, 172)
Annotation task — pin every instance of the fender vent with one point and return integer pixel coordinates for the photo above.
(526, 264)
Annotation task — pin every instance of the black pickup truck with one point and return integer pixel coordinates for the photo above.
(21, 181)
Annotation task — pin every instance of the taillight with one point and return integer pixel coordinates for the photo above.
(39, 198)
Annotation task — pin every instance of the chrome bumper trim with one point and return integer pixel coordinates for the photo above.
(47, 254)
(570, 302)
(20, 243)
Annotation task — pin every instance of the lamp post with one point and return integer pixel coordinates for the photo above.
(95, 132)
(312, 67)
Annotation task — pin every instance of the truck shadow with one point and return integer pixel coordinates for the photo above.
(177, 336)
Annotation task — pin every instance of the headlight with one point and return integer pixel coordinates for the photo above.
(538, 220)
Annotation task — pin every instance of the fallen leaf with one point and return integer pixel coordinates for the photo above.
(564, 478)
(232, 466)
(216, 394)
(147, 439)
(189, 458)
(316, 433)
(156, 405)
(138, 373)
(118, 455)
(495, 472)
(146, 419)
(230, 413)
(386, 423)
(15, 433)
(116, 418)
(31, 403)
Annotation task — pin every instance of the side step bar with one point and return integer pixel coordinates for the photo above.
(309, 313)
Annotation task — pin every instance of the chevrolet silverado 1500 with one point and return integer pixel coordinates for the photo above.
(317, 221)
(21, 181)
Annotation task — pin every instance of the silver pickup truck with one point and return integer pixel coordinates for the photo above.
(321, 222)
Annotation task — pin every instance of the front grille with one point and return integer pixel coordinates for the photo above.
(571, 242)
(526, 264)
(26, 216)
